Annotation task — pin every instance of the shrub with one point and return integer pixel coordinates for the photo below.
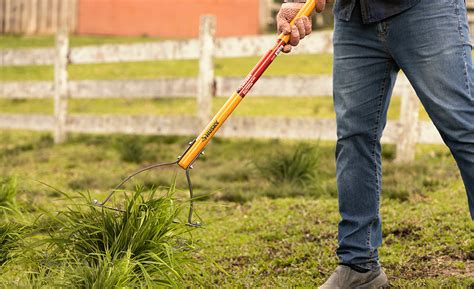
(141, 247)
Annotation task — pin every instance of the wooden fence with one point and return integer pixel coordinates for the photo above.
(37, 16)
(405, 133)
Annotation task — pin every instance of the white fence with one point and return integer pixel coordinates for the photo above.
(405, 133)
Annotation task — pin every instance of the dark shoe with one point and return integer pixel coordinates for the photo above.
(346, 278)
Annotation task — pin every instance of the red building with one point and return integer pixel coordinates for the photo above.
(166, 18)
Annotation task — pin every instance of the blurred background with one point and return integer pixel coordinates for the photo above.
(142, 17)
(91, 90)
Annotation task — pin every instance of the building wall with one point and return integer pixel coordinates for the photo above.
(166, 18)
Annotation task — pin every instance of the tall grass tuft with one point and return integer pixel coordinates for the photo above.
(8, 192)
(141, 247)
(10, 235)
(131, 149)
(290, 172)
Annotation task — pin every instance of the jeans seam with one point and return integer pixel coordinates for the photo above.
(374, 144)
(461, 39)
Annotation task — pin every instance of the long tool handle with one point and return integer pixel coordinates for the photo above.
(198, 145)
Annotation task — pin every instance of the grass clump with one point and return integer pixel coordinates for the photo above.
(8, 192)
(10, 235)
(140, 247)
(130, 149)
(292, 171)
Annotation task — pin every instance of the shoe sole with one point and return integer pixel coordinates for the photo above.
(381, 282)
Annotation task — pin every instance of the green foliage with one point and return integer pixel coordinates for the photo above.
(8, 192)
(291, 170)
(143, 246)
(21, 41)
(10, 235)
(286, 242)
(43, 141)
(131, 149)
(402, 182)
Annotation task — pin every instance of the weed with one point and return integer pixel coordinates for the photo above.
(8, 192)
(44, 141)
(10, 234)
(291, 171)
(131, 149)
(139, 246)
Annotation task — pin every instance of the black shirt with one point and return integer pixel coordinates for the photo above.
(372, 10)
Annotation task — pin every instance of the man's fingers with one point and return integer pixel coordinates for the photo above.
(301, 29)
(287, 48)
(282, 24)
(284, 28)
(308, 27)
(295, 36)
(320, 6)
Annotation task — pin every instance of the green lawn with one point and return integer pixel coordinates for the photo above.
(285, 65)
(17, 41)
(320, 107)
(261, 234)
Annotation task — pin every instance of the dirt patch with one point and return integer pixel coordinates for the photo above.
(410, 231)
(430, 266)
(236, 261)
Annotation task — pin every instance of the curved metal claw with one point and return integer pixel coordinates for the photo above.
(190, 186)
(188, 178)
(191, 201)
(102, 204)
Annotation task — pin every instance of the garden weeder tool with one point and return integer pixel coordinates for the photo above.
(196, 147)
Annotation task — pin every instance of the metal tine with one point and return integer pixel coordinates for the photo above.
(191, 201)
(117, 188)
(107, 199)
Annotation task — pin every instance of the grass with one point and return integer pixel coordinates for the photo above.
(259, 239)
(17, 41)
(286, 65)
(292, 172)
(89, 247)
(8, 192)
(319, 107)
(10, 235)
(130, 149)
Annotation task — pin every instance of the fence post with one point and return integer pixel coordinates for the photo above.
(206, 67)
(61, 84)
(409, 125)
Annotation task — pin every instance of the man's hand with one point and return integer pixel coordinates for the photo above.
(302, 25)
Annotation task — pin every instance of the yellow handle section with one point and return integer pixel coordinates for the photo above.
(203, 139)
(188, 158)
(306, 10)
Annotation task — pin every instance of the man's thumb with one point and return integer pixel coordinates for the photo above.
(285, 28)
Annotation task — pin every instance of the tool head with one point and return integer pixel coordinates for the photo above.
(155, 166)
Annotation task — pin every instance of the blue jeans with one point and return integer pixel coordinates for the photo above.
(430, 44)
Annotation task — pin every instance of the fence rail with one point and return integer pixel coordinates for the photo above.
(405, 132)
(318, 42)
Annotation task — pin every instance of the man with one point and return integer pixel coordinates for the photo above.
(373, 40)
